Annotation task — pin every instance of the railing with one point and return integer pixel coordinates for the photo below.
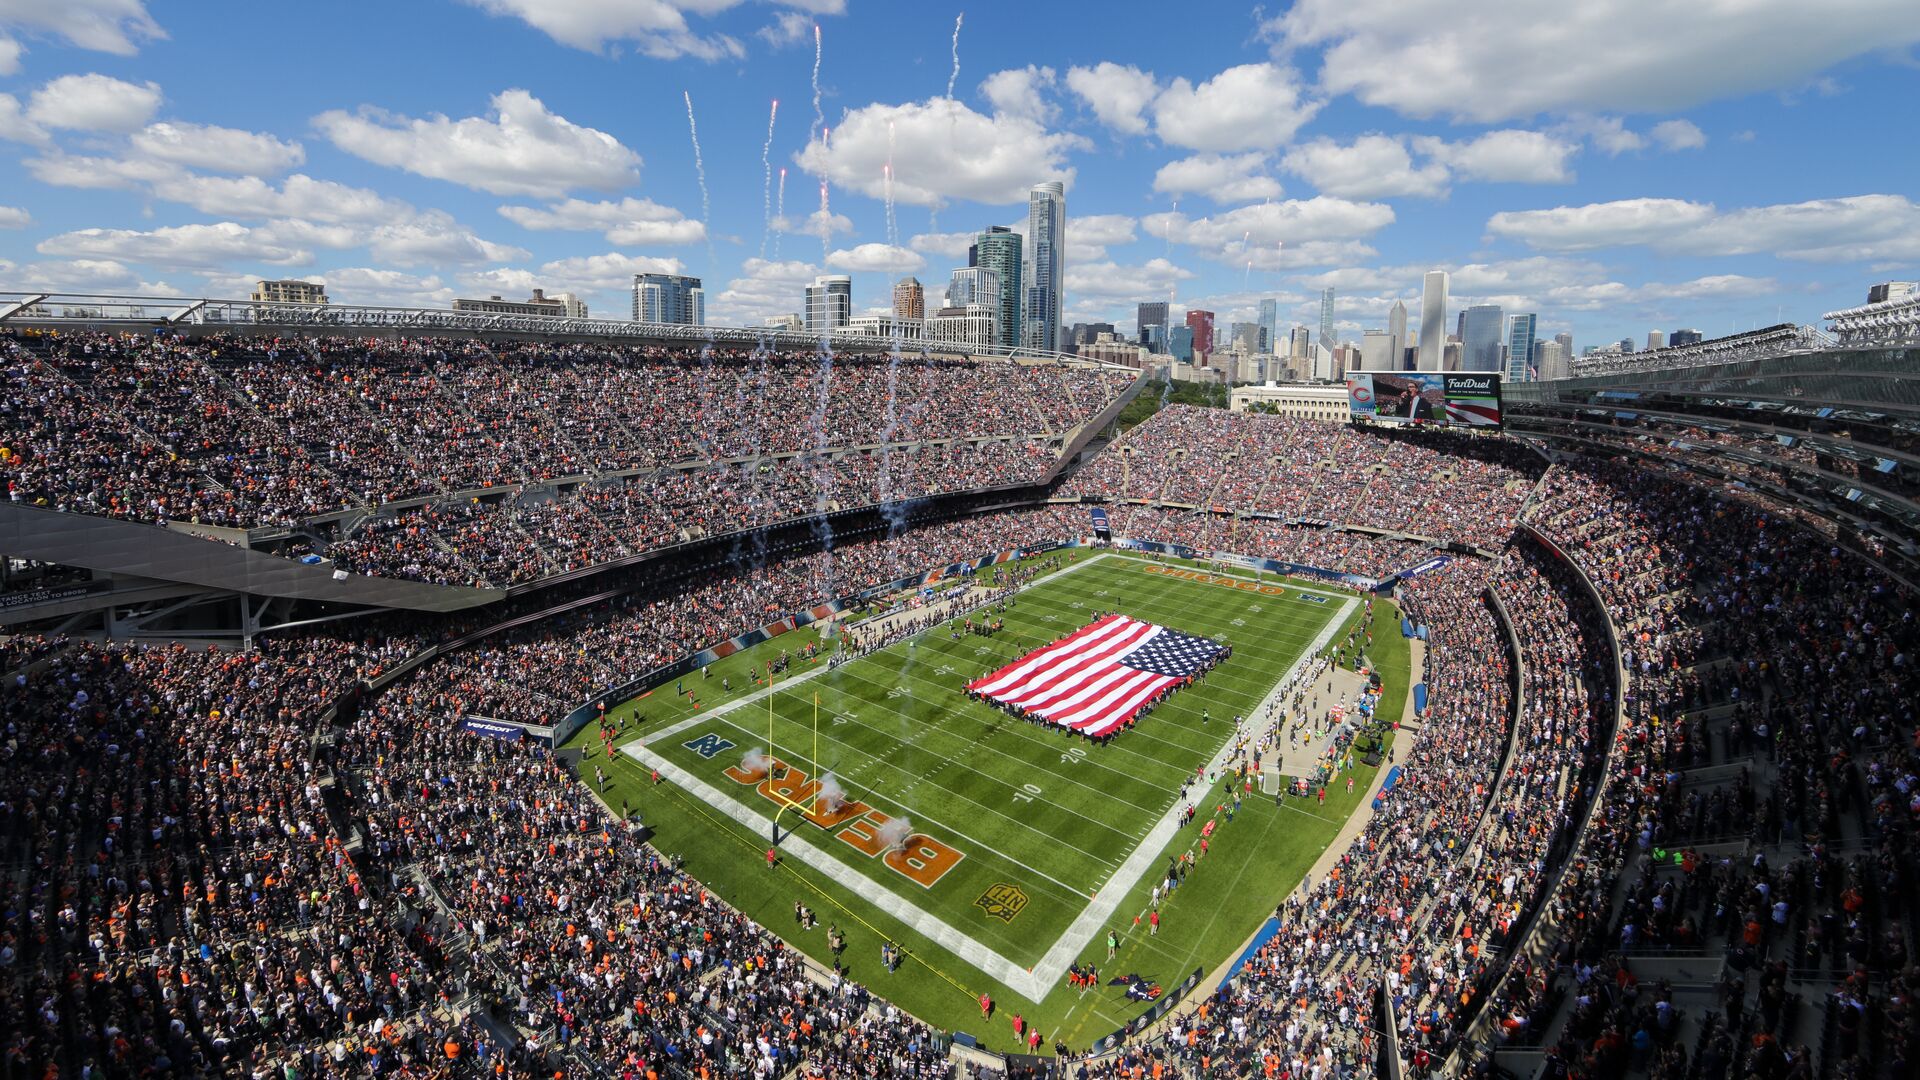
(1753, 345)
(202, 313)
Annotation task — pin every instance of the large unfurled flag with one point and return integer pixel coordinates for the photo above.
(1100, 676)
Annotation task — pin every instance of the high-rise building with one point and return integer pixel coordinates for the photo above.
(1180, 343)
(669, 298)
(829, 303)
(789, 321)
(1046, 265)
(1551, 360)
(288, 291)
(1297, 341)
(1656, 339)
(968, 324)
(1480, 328)
(1154, 337)
(1891, 290)
(909, 300)
(1521, 361)
(1433, 321)
(1270, 323)
(1684, 337)
(1377, 351)
(1244, 339)
(1201, 323)
(973, 285)
(998, 250)
(1326, 317)
(565, 305)
(1565, 338)
(1151, 313)
(1397, 329)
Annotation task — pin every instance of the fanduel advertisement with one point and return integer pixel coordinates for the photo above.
(1466, 398)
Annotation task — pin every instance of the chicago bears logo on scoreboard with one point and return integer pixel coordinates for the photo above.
(708, 745)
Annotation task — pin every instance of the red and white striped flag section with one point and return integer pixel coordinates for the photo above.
(1099, 677)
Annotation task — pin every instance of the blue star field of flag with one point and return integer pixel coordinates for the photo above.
(1175, 654)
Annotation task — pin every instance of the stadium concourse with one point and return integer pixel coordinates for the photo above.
(1666, 723)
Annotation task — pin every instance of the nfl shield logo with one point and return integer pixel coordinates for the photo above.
(1002, 901)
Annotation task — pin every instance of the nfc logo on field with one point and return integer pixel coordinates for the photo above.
(1002, 901)
(708, 745)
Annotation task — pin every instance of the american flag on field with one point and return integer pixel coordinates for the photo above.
(1099, 677)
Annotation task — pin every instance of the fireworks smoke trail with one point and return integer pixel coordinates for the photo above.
(955, 75)
(819, 121)
(893, 229)
(826, 224)
(780, 214)
(766, 179)
(700, 169)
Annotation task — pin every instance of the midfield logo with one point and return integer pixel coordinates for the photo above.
(1002, 901)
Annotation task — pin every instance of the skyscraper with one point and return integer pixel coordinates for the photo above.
(829, 303)
(1180, 343)
(1397, 330)
(668, 298)
(1270, 323)
(1201, 323)
(1684, 337)
(1151, 313)
(1433, 321)
(1656, 339)
(1046, 263)
(973, 285)
(909, 300)
(1520, 341)
(1565, 338)
(1297, 341)
(998, 250)
(1480, 328)
(1244, 338)
(1326, 317)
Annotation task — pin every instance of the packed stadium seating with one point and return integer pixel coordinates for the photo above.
(211, 879)
(474, 440)
(1415, 482)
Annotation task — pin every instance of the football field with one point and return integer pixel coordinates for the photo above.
(997, 849)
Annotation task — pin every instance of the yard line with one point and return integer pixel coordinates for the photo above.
(1030, 739)
(914, 776)
(946, 759)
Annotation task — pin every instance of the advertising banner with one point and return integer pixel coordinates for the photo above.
(1462, 398)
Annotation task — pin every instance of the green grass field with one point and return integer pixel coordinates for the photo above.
(1057, 840)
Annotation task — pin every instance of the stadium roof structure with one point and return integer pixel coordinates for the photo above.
(203, 314)
(1828, 432)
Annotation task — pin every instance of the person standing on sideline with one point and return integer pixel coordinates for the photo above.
(1153, 924)
(1113, 944)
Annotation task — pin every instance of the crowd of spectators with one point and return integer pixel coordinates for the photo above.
(1416, 481)
(202, 886)
(248, 432)
(1762, 800)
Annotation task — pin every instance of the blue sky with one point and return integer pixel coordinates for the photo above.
(1623, 166)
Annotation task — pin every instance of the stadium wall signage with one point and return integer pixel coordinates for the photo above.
(1271, 566)
(919, 858)
(30, 597)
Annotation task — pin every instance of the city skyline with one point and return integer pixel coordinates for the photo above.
(492, 147)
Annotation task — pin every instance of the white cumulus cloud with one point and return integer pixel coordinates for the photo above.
(1249, 107)
(1603, 55)
(1223, 178)
(628, 221)
(218, 149)
(1508, 156)
(175, 246)
(876, 258)
(941, 150)
(1370, 166)
(521, 149)
(93, 103)
(1118, 94)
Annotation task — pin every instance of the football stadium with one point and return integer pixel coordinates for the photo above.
(1239, 641)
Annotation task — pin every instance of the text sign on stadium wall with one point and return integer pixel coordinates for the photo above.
(1463, 398)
